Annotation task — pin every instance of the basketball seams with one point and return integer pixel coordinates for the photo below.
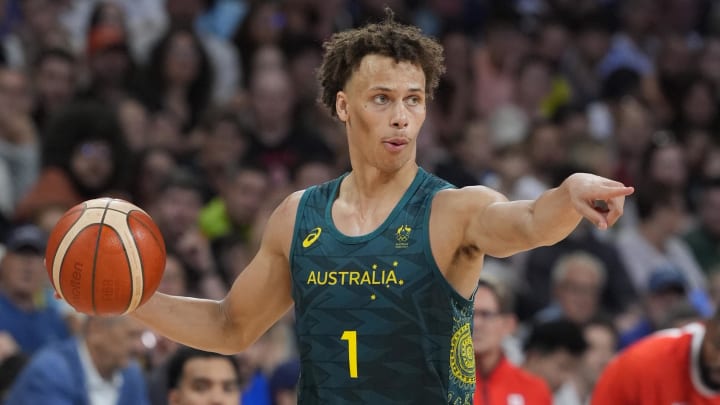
(118, 221)
(95, 255)
(57, 275)
(130, 270)
(83, 221)
(151, 229)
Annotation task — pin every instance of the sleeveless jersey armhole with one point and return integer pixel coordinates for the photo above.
(428, 249)
(296, 227)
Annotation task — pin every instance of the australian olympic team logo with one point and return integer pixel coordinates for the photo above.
(462, 356)
(402, 236)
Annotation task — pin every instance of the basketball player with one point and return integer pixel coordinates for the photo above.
(381, 262)
(196, 377)
(673, 366)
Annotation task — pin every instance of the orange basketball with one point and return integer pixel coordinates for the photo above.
(105, 257)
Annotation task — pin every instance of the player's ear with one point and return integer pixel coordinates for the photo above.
(341, 106)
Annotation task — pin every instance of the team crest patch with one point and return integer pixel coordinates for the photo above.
(402, 236)
(462, 356)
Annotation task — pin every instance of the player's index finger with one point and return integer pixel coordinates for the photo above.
(610, 192)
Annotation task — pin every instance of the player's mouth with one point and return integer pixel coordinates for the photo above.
(395, 144)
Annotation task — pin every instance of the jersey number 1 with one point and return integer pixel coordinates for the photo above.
(351, 337)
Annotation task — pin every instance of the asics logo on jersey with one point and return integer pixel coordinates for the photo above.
(312, 237)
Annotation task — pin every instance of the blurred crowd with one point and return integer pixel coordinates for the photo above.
(204, 113)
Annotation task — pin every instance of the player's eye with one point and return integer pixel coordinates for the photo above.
(413, 101)
(381, 99)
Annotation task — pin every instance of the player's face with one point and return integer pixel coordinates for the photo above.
(207, 381)
(710, 355)
(383, 108)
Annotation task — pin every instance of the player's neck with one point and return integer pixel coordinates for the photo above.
(368, 184)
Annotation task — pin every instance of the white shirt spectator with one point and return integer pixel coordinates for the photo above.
(100, 391)
(641, 259)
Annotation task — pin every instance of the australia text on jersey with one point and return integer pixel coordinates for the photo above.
(374, 276)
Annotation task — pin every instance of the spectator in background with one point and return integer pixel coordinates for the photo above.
(618, 292)
(242, 191)
(11, 363)
(157, 19)
(667, 289)
(498, 381)
(709, 61)
(453, 99)
(655, 242)
(38, 29)
(177, 79)
(283, 383)
(229, 218)
(110, 64)
(471, 157)
(135, 121)
(601, 337)
(546, 152)
(553, 351)
(496, 61)
(96, 368)
(84, 156)
(29, 320)
(157, 356)
(19, 141)
(152, 167)
(224, 145)
(55, 78)
(533, 87)
(262, 25)
(591, 36)
(196, 377)
(578, 281)
(672, 366)
(277, 142)
(704, 238)
(630, 45)
(176, 211)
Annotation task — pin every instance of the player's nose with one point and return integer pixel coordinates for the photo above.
(399, 118)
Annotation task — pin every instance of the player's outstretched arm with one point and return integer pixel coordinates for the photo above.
(502, 228)
(258, 298)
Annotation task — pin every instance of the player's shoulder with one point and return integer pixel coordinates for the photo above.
(289, 204)
(470, 197)
(665, 346)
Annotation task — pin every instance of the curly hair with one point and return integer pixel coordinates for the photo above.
(345, 50)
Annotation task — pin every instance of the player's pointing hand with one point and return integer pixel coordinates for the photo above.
(596, 198)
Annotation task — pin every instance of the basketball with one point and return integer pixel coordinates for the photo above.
(105, 257)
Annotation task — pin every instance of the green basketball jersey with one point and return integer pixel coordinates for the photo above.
(376, 321)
